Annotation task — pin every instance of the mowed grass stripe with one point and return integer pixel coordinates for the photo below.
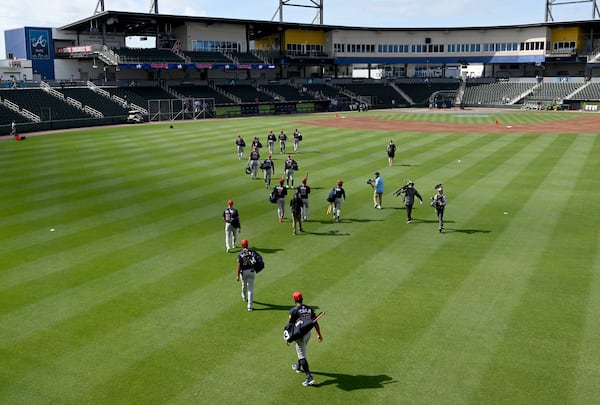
(547, 322)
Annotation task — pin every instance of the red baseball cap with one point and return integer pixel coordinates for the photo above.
(229, 202)
(281, 181)
(297, 296)
(244, 243)
(340, 182)
(304, 180)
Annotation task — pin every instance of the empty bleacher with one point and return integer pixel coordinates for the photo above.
(7, 115)
(589, 92)
(148, 55)
(207, 57)
(98, 102)
(380, 94)
(495, 93)
(420, 90)
(140, 95)
(202, 91)
(43, 104)
(552, 91)
(246, 57)
(323, 89)
(289, 92)
(247, 93)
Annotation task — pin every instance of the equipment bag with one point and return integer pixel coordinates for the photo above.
(257, 261)
(331, 197)
(273, 197)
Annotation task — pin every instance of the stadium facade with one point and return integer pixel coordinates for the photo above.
(193, 52)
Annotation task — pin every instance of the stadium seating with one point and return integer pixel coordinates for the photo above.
(246, 93)
(43, 104)
(207, 57)
(98, 102)
(246, 57)
(494, 93)
(140, 95)
(551, 91)
(289, 92)
(144, 55)
(200, 91)
(7, 116)
(381, 95)
(589, 92)
(420, 91)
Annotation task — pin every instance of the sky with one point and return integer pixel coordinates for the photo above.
(359, 13)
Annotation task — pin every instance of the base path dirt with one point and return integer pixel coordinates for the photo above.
(584, 123)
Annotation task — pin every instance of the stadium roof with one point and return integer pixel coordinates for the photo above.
(149, 24)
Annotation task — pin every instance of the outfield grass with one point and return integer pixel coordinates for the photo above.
(115, 287)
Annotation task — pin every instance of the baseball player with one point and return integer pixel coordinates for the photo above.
(297, 139)
(271, 138)
(391, 152)
(268, 168)
(231, 217)
(246, 273)
(282, 139)
(304, 191)
(438, 202)
(253, 160)
(410, 192)
(296, 208)
(289, 166)
(280, 192)
(239, 144)
(340, 196)
(299, 314)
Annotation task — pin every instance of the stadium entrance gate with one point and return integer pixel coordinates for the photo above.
(178, 109)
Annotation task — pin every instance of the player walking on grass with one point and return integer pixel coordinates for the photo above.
(299, 314)
(438, 202)
(231, 217)
(296, 208)
(297, 139)
(391, 152)
(239, 144)
(271, 138)
(253, 162)
(282, 138)
(410, 192)
(268, 168)
(289, 167)
(245, 273)
(340, 196)
(280, 193)
(304, 191)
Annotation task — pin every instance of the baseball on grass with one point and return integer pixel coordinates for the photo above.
(52, 229)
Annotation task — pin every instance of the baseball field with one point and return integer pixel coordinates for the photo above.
(115, 286)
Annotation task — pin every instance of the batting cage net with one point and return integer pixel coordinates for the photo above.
(181, 109)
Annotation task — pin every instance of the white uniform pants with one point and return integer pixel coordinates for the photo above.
(248, 286)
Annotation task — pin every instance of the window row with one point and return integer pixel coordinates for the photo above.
(216, 46)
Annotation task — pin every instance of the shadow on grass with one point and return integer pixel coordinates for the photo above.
(345, 220)
(333, 232)
(265, 306)
(467, 231)
(348, 382)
